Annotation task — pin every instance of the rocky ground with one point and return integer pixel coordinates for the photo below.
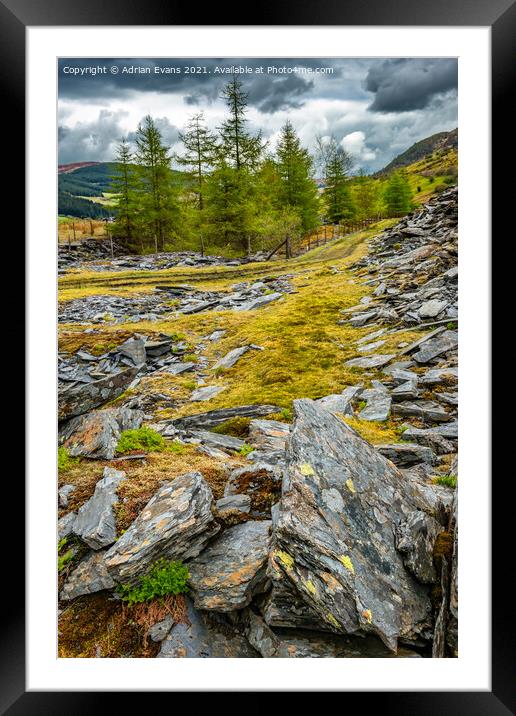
(304, 462)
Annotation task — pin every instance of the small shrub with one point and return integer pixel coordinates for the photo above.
(287, 414)
(64, 461)
(164, 578)
(140, 439)
(63, 559)
(176, 447)
(190, 358)
(245, 449)
(446, 480)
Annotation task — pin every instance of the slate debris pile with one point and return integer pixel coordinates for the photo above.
(167, 300)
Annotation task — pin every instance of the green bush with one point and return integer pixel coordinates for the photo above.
(446, 480)
(164, 578)
(245, 449)
(140, 439)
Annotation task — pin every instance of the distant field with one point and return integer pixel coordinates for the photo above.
(83, 228)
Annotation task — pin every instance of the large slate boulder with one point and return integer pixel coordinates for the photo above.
(95, 522)
(227, 574)
(175, 524)
(96, 434)
(79, 398)
(212, 418)
(334, 541)
(88, 577)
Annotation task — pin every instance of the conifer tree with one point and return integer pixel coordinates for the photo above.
(239, 147)
(159, 202)
(366, 195)
(200, 151)
(398, 195)
(336, 163)
(297, 186)
(124, 184)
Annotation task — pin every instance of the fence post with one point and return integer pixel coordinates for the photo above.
(73, 227)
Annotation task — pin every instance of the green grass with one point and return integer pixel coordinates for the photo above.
(140, 439)
(446, 480)
(64, 461)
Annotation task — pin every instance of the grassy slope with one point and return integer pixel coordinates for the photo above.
(304, 347)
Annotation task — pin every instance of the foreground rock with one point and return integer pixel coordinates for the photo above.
(205, 636)
(96, 435)
(212, 418)
(88, 577)
(228, 573)
(175, 524)
(334, 542)
(95, 523)
(82, 397)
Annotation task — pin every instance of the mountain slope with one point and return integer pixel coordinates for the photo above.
(440, 142)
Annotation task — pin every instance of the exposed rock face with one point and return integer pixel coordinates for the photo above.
(88, 577)
(81, 397)
(95, 523)
(66, 525)
(416, 537)
(404, 454)
(268, 434)
(175, 524)
(205, 637)
(96, 434)
(334, 540)
(227, 574)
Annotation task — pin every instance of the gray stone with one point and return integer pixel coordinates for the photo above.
(231, 358)
(268, 434)
(406, 391)
(88, 577)
(372, 361)
(159, 631)
(423, 339)
(261, 481)
(205, 636)
(238, 503)
(96, 434)
(215, 417)
(427, 437)
(438, 345)
(231, 570)
(378, 405)
(415, 539)
(334, 543)
(370, 346)
(259, 301)
(83, 397)
(439, 375)
(65, 525)
(371, 336)
(340, 402)
(405, 454)
(217, 440)
(95, 523)
(175, 524)
(206, 393)
(178, 368)
(427, 410)
(64, 493)
(361, 319)
(134, 348)
(431, 309)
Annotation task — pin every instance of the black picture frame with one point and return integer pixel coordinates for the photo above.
(500, 16)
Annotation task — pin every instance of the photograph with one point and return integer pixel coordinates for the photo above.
(257, 365)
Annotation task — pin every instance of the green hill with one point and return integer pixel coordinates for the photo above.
(440, 142)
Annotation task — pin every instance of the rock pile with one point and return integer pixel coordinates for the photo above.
(168, 300)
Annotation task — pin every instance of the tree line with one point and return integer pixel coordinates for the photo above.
(232, 192)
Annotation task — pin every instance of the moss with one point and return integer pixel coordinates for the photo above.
(64, 461)
(237, 427)
(245, 449)
(446, 480)
(374, 432)
(140, 439)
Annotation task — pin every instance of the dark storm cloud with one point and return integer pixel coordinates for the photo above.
(195, 87)
(402, 85)
(97, 139)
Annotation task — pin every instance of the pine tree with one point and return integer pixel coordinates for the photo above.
(297, 186)
(398, 195)
(336, 163)
(159, 201)
(239, 147)
(124, 183)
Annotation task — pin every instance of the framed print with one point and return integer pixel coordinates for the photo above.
(259, 353)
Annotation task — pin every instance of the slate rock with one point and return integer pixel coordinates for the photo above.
(268, 434)
(205, 636)
(334, 540)
(134, 349)
(232, 569)
(96, 434)
(65, 525)
(378, 405)
(159, 631)
(231, 358)
(340, 402)
(239, 503)
(431, 309)
(373, 361)
(427, 410)
(206, 393)
(218, 441)
(261, 481)
(415, 539)
(83, 397)
(95, 523)
(176, 524)
(88, 577)
(64, 493)
(212, 418)
(405, 454)
(442, 343)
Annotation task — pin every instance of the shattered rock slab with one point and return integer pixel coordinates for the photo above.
(334, 542)
(231, 570)
(83, 397)
(175, 524)
(88, 577)
(212, 418)
(96, 434)
(95, 523)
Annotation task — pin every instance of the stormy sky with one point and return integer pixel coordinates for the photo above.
(376, 108)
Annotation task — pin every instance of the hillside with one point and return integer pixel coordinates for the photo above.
(440, 142)
(83, 188)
